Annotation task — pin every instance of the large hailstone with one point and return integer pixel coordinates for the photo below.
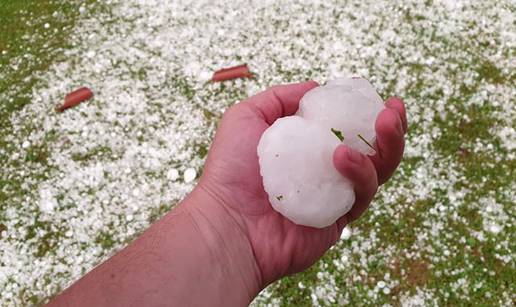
(296, 152)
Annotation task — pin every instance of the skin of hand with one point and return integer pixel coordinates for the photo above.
(232, 179)
(224, 242)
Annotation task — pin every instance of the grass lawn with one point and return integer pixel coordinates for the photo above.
(76, 187)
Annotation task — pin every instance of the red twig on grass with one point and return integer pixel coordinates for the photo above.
(240, 71)
(74, 98)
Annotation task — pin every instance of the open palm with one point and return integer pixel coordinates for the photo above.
(232, 177)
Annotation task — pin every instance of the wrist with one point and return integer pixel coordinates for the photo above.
(228, 243)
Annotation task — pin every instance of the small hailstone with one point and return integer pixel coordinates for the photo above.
(296, 152)
(136, 192)
(346, 233)
(495, 228)
(46, 206)
(46, 25)
(25, 144)
(146, 164)
(381, 284)
(189, 175)
(82, 9)
(172, 174)
(386, 290)
(205, 75)
(387, 276)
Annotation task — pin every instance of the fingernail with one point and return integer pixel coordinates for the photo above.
(354, 156)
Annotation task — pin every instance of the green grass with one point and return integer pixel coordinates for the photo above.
(23, 35)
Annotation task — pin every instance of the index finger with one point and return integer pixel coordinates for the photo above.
(390, 143)
(398, 105)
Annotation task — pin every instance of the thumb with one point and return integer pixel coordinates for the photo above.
(280, 100)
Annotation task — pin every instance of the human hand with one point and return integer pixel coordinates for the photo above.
(225, 240)
(232, 179)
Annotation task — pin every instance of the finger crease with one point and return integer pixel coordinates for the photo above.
(278, 101)
(258, 111)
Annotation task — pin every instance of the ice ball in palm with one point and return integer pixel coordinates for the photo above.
(296, 152)
(347, 105)
(299, 176)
